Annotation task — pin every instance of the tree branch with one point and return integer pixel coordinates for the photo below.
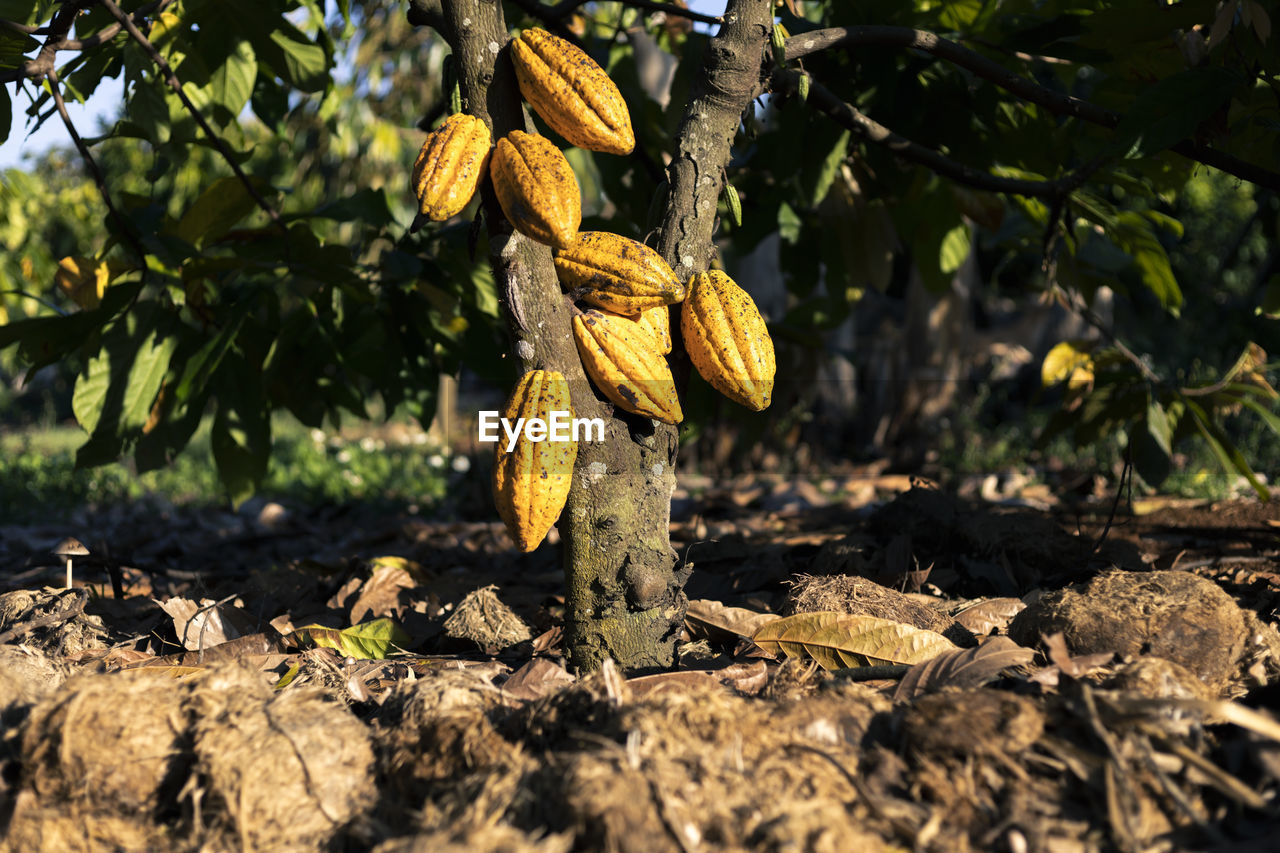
(730, 79)
(176, 85)
(564, 9)
(109, 32)
(25, 29)
(988, 69)
(848, 116)
(44, 60)
(1056, 102)
(57, 40)
(121, 223)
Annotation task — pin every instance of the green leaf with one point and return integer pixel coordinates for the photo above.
(372, 640)
(114, 394)
(830, 167)
(366, 205)
(1171, 109)
(1270, 418)
(223, 203)
(1227, 454)
(241, 436)
(297, 60)
(1134, 234)
(12, 47)
(959, 14)
(231, 84)
(954, 249)
(1159, 427)
(24, 11)
(202, 365)
(789, 223)
(1150, 444)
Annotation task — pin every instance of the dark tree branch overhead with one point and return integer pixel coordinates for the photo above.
(1056, 102)
(846, 115)
(57, 41)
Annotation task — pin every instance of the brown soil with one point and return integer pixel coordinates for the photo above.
(1138, 714)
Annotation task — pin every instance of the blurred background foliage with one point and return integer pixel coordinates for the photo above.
(913, 314)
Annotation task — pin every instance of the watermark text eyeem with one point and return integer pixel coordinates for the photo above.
(560, 426)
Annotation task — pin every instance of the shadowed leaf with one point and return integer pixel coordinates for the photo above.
(962, 668)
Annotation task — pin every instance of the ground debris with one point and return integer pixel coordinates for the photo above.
(1172, 615)
(1103, 746)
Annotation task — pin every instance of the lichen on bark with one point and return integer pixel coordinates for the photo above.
(624, 583)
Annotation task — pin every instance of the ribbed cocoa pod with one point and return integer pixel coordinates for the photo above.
(450, 166)
(727, 339)
(572, 93)
(536, 188)
(531, 483)
(617, 274)
(622, 360)
(658, 321)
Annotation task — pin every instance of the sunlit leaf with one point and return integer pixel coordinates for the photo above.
(839, 641)
(734, 620)
(371, 640)
(954, 249)
(1070, 362)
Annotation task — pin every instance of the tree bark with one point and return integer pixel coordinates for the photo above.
(625, 597)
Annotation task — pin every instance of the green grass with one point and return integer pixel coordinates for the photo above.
(38, 473)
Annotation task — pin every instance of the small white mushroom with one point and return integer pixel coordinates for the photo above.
(69, 548)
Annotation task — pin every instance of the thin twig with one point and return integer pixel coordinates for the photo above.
(110, 31)
(847, 115)
(176, 85)
(123, 224)
(1057, 103)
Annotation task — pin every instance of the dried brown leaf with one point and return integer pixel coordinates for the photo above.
(648, 685)
(1055, 646)
(536, 679)
(993, 614)
(733, 620)
(207, 623)
(839, 641)
(962, 668)
(380, 595)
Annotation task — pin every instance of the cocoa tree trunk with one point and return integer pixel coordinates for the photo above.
(624, 597)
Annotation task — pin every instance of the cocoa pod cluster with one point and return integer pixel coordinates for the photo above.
(623, 336)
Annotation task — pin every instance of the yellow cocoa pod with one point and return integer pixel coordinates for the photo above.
(622, 360)
(617, 274)
(572, 93)
(531, 482)
(536, 188)
(658, 321)
(450, 166)
(727, 339)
